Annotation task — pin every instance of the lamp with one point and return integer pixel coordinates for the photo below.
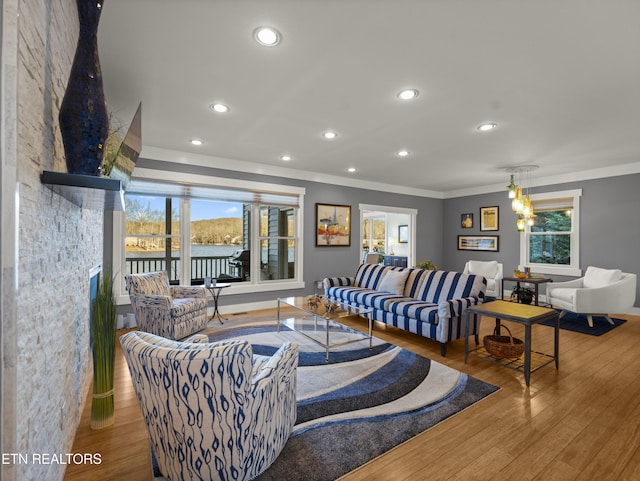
(512, 188)
(521, 203)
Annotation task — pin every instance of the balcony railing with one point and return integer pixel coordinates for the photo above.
(201, 267)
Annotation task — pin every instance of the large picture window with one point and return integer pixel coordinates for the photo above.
(247, 237)
(551, 245)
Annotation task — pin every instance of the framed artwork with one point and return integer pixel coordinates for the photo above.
(333, 225)
(466, 221)
(478, 243)
(403, 234)
(489, 218)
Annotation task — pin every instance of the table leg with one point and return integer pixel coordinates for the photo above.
(527, 353)
(326, 324)
(466, 336)
(556, 342)
(278, 326)
(535, 288)
(215, 293)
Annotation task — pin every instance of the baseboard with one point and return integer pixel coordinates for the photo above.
(231, 309)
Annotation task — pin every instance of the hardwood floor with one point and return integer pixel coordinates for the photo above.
(580, 423)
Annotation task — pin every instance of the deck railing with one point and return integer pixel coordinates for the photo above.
(201, 267)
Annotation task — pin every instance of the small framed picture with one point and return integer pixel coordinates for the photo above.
(489, 218)
(478, 243)
(466, 221)
(403, 234)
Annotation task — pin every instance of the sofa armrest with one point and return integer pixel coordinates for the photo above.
(153, 301)
(183, 292)
(281, 365)
(196, 339)
(328, 282)
(575, 283)
(456, 307)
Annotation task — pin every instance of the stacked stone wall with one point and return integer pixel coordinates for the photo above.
(58, 245)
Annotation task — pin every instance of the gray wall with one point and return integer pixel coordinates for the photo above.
(320, 262)
(609, 226)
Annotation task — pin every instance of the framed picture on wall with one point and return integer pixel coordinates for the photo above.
(466, 221)
(478, 243)
(489, 218)
(333, 225)
(403, 234)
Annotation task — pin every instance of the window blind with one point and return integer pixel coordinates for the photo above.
(205, 192)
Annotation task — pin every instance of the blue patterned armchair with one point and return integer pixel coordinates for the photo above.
(213, 410)
(173, 312)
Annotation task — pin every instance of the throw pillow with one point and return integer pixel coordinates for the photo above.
(394, 281)
(596, 277)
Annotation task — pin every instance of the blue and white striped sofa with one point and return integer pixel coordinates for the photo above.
(427, 303)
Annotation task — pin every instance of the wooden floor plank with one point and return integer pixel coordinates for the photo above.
(580, 423)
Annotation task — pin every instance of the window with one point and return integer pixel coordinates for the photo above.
(152, 235)
(195, 230)
(277, 243)
(550, 246)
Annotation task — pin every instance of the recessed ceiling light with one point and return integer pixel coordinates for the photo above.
(486, 127)
(196, 142)
(286, 157)
(267, 36)
(403, 153)
(351, 169)
(220, 108)
(330, 135)
(408, 94)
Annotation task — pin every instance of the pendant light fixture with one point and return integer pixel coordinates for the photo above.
(519, 195)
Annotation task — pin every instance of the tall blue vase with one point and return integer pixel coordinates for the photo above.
(84, 120)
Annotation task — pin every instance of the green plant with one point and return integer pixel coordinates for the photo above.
(523, 294)
(103, 346)
(428, 265)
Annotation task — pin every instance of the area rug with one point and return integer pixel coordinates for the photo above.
(359, 404)
(578, 323)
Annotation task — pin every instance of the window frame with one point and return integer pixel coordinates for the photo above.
(573, 269)
(179, 178)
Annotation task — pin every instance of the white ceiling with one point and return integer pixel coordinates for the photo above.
(560, 78)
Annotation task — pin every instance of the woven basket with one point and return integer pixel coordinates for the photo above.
(506, 347)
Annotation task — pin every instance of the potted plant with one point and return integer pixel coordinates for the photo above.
(103, 347)
(523, 295)
(427, 265)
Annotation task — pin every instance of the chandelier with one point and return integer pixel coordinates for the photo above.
(518, 189)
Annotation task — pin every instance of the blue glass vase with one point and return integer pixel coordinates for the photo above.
(84, 120)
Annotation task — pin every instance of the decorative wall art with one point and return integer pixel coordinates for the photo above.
(466, 221)
(333, 225)
(403, 234)
(489, 218)
(478, 243)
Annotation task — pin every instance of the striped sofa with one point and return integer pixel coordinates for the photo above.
(427, 303)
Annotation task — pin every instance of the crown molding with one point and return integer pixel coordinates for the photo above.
(188, 158)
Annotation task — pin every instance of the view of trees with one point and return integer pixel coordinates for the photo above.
(550, 240)
(142, 219)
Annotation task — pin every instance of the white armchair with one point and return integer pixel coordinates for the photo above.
(492, 271)
(213, 410)
(599, 292)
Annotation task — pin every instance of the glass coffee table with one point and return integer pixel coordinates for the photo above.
(318, 320)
